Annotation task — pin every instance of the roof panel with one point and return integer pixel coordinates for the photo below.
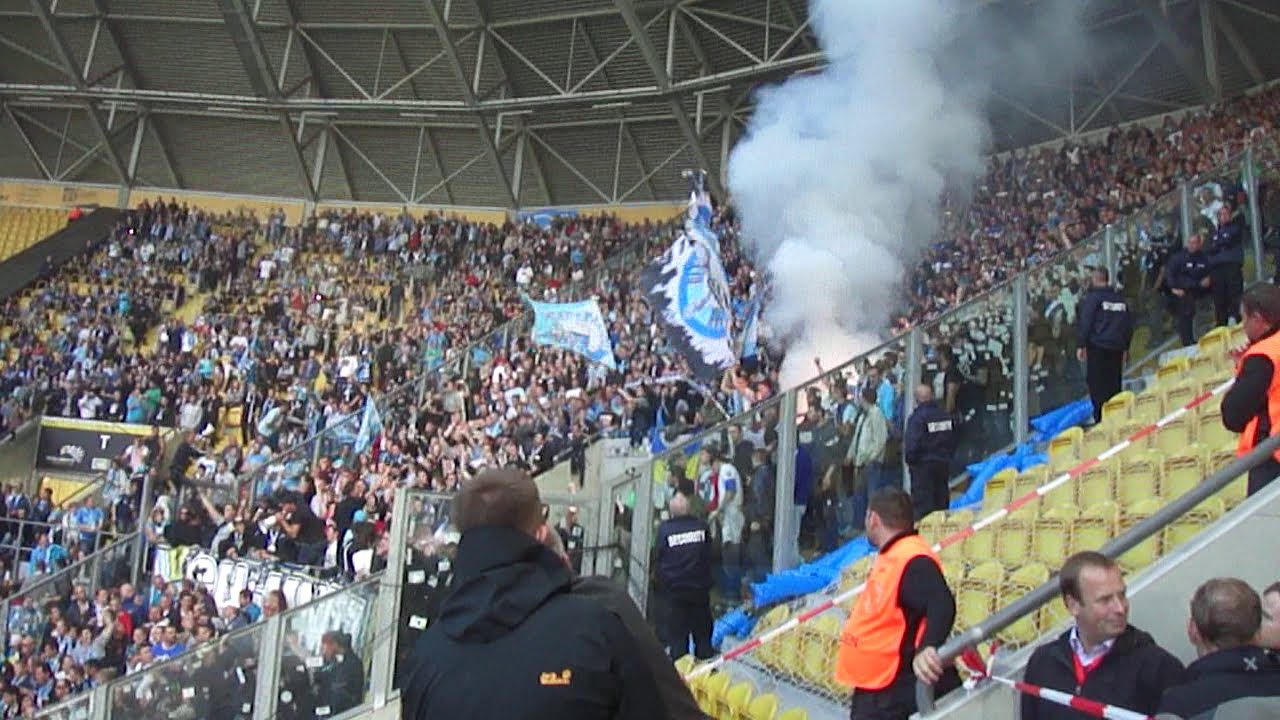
(189, 58)
(365, 11)
(389, 149)
(231, 155)
(18, 66)
(167, 8)
(15, 161)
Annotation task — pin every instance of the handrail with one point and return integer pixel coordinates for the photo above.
(1113, 549)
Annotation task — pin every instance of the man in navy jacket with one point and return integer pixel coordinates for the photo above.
(1226, 266)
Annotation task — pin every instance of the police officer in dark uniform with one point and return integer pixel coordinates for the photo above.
(1187, 275)
(929, 446)
(684, 572)
(1104, 327)
(1226, 266)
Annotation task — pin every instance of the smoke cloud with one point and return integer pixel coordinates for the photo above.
(840, 174)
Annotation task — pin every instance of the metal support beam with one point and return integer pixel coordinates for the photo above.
(82, 162)
(1020, 107)
(633, 146)
(135, 150)
(651, 58)
(372, 165)
(343, 167)
(26, 142)
(1186, 57)
(439, 165)
(1119, 85)
(469, 98)
(69, 66)
(1238, 46)
(1209, 39)
(166, 154)
(239, 23)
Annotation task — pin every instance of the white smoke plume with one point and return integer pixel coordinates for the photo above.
(839, 176)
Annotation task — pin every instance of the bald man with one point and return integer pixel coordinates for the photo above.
(684, 573)
(672, 690)
(928, 446)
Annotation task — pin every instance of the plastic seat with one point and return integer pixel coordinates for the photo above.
(987, 576)
(1027, 629)
(763, 707)
(1094, 486)
(973, 606)
(733, 703)
(1180, 393)
(981, 545)
(685, 664)
(1052, 541)
(1138, 479)
(796, 713)
(1119, 408)
(1182, 472)
(1148, 551)
(1188, 526)
(1174, 436)
(930, 527)
(1095, 526)
(1097, 440)
(1028, 480)
(1214, 341)
(1172, 371)
(1013, 542)
(996, 492)
(1147, 407)
(1212, 433)
(1064, 448)
(712, 691)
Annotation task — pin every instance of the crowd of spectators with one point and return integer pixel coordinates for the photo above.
(302, 326)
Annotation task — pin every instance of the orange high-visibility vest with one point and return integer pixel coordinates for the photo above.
(871, 642)
(1268, 347)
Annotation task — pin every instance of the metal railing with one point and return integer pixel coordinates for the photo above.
(1117, 546)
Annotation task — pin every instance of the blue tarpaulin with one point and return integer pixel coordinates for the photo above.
(821, 572)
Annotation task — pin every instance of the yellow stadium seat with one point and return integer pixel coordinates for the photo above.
(796, 713)
(956, 521)
(1028, 480)
(733, 704)
(1064, 448)
(1138, 478)
(814, 666)
(1119, 408)
(973, 606)
(1190, 525)
(1182, 472)
(712, 691)
(1097, 440)
(986, 576)
(763, 707)
(996, 492)
(981, 545)
(1052, 541)
(1172, 371)
(1212, 433)
(930, 527)
(790, 648)
(1013, 541)
(684, 665)
(1180, 393)
(1214, 341)
(1147, 407)
(1148, 551)
(1024, 580)
(1094, 485)
(1095, 526)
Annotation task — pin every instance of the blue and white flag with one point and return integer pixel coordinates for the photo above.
(370, 426)
(577, 326)
(689, 293)
(750, 340)
(697, 221)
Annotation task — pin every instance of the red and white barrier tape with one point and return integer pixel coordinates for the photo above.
(1075, 702)
(961, 535)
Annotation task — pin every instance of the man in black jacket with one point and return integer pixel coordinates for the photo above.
(684, 573)
(1102, 658)
(1225, 616)
(928, 446)
(1104, 327)
(512, 642)
(1187, 275)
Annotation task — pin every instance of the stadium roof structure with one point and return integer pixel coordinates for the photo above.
(503, 103)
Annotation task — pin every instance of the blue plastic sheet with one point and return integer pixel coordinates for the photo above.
(823, 571)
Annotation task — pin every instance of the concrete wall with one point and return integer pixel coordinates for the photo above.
(17, 456)
(1239, 545)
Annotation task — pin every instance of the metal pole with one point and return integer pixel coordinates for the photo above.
(784, 520)
(915, 365)
(1184, 210)
(1255, 214)
(1109, 254)
(641, 537)
(267, 689)
(1113, 549)
(382, 668)
(1021, 371)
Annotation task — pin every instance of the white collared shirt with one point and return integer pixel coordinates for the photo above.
(1091, 656)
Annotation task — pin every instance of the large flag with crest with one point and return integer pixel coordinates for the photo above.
(688, 290)
(576, 326)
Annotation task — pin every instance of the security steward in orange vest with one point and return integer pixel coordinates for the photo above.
(1252, 406)
(904, 613)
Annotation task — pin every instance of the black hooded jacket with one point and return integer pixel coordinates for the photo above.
(512, 643)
